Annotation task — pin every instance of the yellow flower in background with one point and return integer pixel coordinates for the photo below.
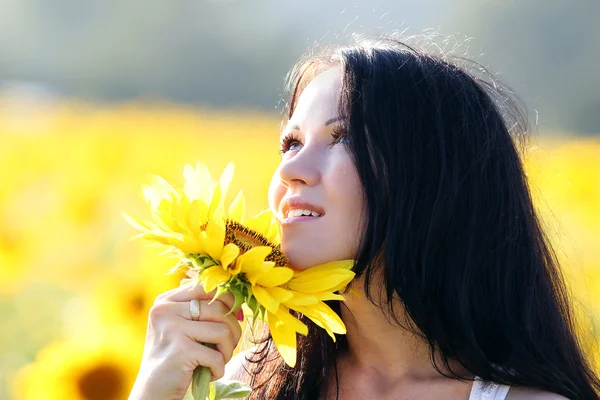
(94, 368)
(120, 298)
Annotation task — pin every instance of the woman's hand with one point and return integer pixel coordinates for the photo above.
(173, 346)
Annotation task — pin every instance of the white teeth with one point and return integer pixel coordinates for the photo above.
(299, 212)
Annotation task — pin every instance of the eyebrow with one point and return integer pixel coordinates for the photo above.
(328, 122)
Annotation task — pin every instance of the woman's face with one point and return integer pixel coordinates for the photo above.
(317, 175)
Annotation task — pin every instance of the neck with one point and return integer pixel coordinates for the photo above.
(379, 346)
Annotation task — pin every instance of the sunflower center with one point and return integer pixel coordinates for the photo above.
(137, 303)
(104, 381)
(246, 239)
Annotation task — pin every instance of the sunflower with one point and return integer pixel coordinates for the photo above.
(122, 298)
(97, 368)
(304, 292)
(224, 251)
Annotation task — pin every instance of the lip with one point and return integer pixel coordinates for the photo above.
(298, 202)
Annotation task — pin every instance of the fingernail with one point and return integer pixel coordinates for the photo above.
(240, 315)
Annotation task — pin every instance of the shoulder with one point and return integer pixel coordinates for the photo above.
(238, 368)
(528, 393)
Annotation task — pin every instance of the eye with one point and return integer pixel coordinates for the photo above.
(290, 142)
(340, 135)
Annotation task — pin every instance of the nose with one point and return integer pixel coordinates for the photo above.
(301, 169)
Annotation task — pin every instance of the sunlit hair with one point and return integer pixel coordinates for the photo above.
(436, 142)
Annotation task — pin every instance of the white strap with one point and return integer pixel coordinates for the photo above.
(482, 390)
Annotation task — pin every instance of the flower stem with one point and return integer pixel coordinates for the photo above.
(201, 380)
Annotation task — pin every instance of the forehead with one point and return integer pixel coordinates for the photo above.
(319, 100)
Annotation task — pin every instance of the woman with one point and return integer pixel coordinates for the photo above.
(412, 168)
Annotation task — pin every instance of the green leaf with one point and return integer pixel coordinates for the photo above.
(220, 290)
(253, 304)
(239, 300)
(258, 311)
(226, 389)
(204, 261)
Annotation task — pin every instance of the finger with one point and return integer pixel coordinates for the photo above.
(196, 291)
(186, 292)
(217, 333)
(210, 358)
(215, 311)
(209, 312)
(236, 329)
(191, 291)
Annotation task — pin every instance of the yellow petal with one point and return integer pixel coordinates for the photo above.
(280, 294)
(322, 315)
(285, 317)
(163, 237)
(157, 211)
(186, 218)
(228, 254)
(163, 187)
(235, 268)
(197, 215)
(300, 299)
(184, 243)
(191, 245)
(216, 201)
(214, 276)
(329, 296)
(151, 196)
(275, 277)
(285, 339)
(214, 237)
(135, 222)
(198, 183)
(237, 208)
(274, 234)
(265, 299)
(226, 178)
(252, 275)
(320, 281)
(189, 176)
(260, 222)
(163, 214)
(254, 258)
(340, 264)
(180, 211)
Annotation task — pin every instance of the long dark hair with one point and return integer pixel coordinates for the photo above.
(451, 218)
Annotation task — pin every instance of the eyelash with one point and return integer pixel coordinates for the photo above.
(292, 138)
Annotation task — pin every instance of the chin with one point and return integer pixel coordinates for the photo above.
(300, 259)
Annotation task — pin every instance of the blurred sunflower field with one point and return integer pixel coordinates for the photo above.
(75, 292)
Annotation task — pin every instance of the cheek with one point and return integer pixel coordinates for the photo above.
(346, 184)
(276, 193)
(349, 195)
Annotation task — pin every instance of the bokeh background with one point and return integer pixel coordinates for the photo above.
(95, 94)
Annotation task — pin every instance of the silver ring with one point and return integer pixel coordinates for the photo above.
(195, 309)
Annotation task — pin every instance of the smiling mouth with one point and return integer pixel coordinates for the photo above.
(297, 209)
(302, 213)
(293, 218)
